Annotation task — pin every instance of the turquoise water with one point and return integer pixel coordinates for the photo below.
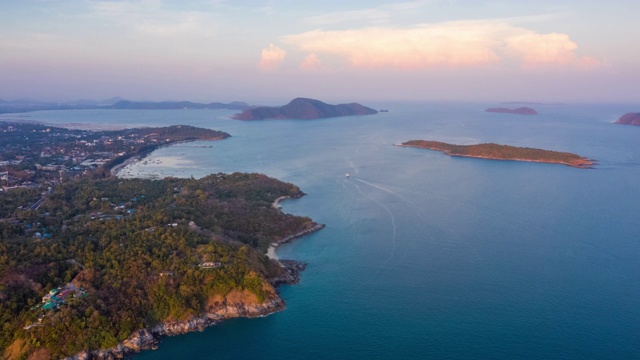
(425, 255)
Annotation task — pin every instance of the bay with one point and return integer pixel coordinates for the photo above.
(425, 255)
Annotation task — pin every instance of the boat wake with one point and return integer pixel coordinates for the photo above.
(394, 226)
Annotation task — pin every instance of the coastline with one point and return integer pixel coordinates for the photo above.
(276, 203)
(271, 251)
(586, 165)
(149, 338)
(141, 155)
(130, 161)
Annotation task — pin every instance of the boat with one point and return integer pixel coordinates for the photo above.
(347, 175)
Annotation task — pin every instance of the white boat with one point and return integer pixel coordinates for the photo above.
(347, 175)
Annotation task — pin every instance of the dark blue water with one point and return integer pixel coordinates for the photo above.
(429, 256)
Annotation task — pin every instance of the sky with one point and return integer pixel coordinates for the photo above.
(269, 52)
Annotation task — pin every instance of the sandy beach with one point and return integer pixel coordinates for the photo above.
(137, 166)
(276, 202)
(271, 252)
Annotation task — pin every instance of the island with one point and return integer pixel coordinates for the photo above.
(629, 119)
(303, 108)
(504, 152)
(517, 111)
(94, 266)
(173, 105)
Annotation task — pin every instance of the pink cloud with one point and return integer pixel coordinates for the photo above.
(421, 47)
(311, 63)
(541, 49)
(442, 45)
(271, 58)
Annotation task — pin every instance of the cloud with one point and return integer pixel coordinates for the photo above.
(441, 45)
(271, 58)
(540, 49)
(311, 63)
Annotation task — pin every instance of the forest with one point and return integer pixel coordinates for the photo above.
(115, 238)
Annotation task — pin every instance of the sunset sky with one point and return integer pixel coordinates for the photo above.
(271, 51)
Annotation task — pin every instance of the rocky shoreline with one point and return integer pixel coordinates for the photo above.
(149, 339)
(271, 251)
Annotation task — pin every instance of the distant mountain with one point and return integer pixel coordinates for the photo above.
(26, 105)
(169, 105)
(303, 108)
(90, 102)
(518, 111)
(629, 119)
(529, 103)
(23, 105)
(23, 101)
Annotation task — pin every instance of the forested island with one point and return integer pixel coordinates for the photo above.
(99, 266)
(303, 108)
(504, 152)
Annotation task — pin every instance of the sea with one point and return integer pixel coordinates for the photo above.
(426, 256)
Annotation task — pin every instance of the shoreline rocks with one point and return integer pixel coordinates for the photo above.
(145, 339)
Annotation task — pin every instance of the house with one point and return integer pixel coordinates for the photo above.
(210, 265)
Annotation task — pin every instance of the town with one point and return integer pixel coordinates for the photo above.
(40, 156)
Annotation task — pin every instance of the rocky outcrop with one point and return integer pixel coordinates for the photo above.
(228, 308)
(231, 306)
(141, 339)
(629, 119)
(291, 273)
(518, 111)
(303, 108)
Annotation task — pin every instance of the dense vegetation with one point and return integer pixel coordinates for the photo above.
(504, 152)
(116, 238)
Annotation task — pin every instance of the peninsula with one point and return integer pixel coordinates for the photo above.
(303, 108)
(629, 119)
(518, 111)
(504, 152)
(96, 267)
